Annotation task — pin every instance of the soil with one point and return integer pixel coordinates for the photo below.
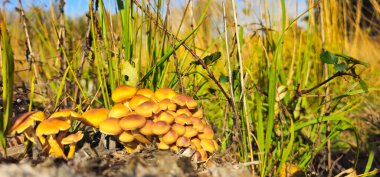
(147, 163)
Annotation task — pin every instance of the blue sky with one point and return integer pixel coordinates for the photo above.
(74, 8)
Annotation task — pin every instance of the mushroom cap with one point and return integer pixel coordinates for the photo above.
(180, 129)
(52, 127)
(123, 93)
(147, 128)
(110, 126)
(164, 93)
(207, 133)
(198, 113)
(167, 104)
(137, 101)
(73, 138)
(162, 145)
(195, 143)
(160, 128)
(147, 109)
(183, 119)
(197, 124)
(184, 111)
(132, 122)
(190, 132)
(21, 123)
(145, 92)
(118, 111)
(166, 117)
(208, 145)
(126, 136)
(66, 114)
(183, 142)
(185, 100)
(170, 137)
(93, 117)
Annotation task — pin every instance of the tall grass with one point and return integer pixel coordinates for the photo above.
(278, 93)
(7, 72)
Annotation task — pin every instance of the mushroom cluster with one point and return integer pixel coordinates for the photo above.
(49, 134)
(139, 117)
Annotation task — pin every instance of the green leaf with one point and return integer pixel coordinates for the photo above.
(223, 79)
(340, 67)
(363, 85)
(328, 58)
(210, 59)
(352, 60)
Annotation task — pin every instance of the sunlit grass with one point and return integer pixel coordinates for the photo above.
(269, 100)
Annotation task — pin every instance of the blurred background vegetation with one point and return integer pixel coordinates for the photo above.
(283, 82)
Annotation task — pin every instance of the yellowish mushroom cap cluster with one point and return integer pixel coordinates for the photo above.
(139, 117)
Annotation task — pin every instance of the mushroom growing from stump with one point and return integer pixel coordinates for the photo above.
(123, 93)
(71, 140)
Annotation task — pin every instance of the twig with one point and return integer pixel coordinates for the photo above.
(192, 52)
(299, 93)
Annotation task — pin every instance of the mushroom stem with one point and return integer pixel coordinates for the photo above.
(55, 147)
(71, 151)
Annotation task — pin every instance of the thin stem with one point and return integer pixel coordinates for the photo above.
(242, 83)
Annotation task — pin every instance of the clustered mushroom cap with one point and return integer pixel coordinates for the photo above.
(110, 126)
(94, 117)
(118, 111)
(132, 122)
(137, 117)
(123, 93)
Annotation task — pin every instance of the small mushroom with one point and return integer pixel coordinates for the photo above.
(180, 129)
(71, 140)
(147, 129)
(110, 126)
(167, 104)
(123, 93)
(132, 122)
(183, 119)
(118, 111)
(126, 137)
(51, 127)
(25, 124)
(145, 92)
(160, 128)
(94, 117)
(166, 117)
(208, 145)
(170, 137)
(190, 132)
(207, 133)
(147, 109)
(184, 100)
(137, 101)
(183, 142)
(197, 124)
(164, 93)
(184, 111)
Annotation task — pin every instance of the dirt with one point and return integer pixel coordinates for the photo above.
(147, 163)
